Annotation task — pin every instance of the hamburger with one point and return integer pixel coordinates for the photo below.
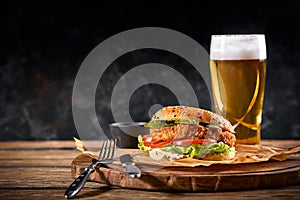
(180, 131)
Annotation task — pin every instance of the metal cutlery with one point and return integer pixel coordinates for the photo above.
(105, 156)
(129, 165)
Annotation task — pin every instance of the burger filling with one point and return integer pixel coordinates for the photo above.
(189, 130)
(187, 137)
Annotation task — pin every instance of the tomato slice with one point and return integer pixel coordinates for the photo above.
(201, 141)
(160, 144)
(183, 142)
(147, 140)
(190, 142)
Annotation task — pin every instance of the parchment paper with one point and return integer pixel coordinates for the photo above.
(244, 154)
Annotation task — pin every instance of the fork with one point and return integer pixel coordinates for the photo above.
(105, 156)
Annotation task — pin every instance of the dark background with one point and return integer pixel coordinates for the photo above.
(44, 42)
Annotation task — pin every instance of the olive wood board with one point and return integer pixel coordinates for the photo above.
(217, 177)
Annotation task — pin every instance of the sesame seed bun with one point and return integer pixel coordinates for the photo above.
(170, 113)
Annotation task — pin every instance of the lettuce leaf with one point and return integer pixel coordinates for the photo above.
(215, 148)
(198, 150)
(193, 151)
(163, 123)
(175, 149)
(156, 124)
(141, 145)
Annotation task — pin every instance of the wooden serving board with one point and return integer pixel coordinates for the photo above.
(213, 178)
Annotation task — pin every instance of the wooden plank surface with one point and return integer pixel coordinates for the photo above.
(36, 144)
(27, 158)
(69, 144)
(45, 155)
(41, 170)
(35, 163)
(104, 192)
(34, 177)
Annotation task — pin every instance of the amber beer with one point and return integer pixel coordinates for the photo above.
(238, 73)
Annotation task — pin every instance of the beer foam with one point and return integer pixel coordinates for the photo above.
(238, 47)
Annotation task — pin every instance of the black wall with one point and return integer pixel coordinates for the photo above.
(43, 43)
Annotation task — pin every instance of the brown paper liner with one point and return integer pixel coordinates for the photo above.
(244, 154)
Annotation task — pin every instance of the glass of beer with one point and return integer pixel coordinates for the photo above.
(238, 73)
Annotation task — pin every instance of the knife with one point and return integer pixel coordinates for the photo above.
(129, 165)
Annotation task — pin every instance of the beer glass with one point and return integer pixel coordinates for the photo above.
(238, 73)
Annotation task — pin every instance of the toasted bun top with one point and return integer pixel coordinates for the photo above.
(170, 113)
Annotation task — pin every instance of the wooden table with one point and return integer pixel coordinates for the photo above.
(41, 170)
